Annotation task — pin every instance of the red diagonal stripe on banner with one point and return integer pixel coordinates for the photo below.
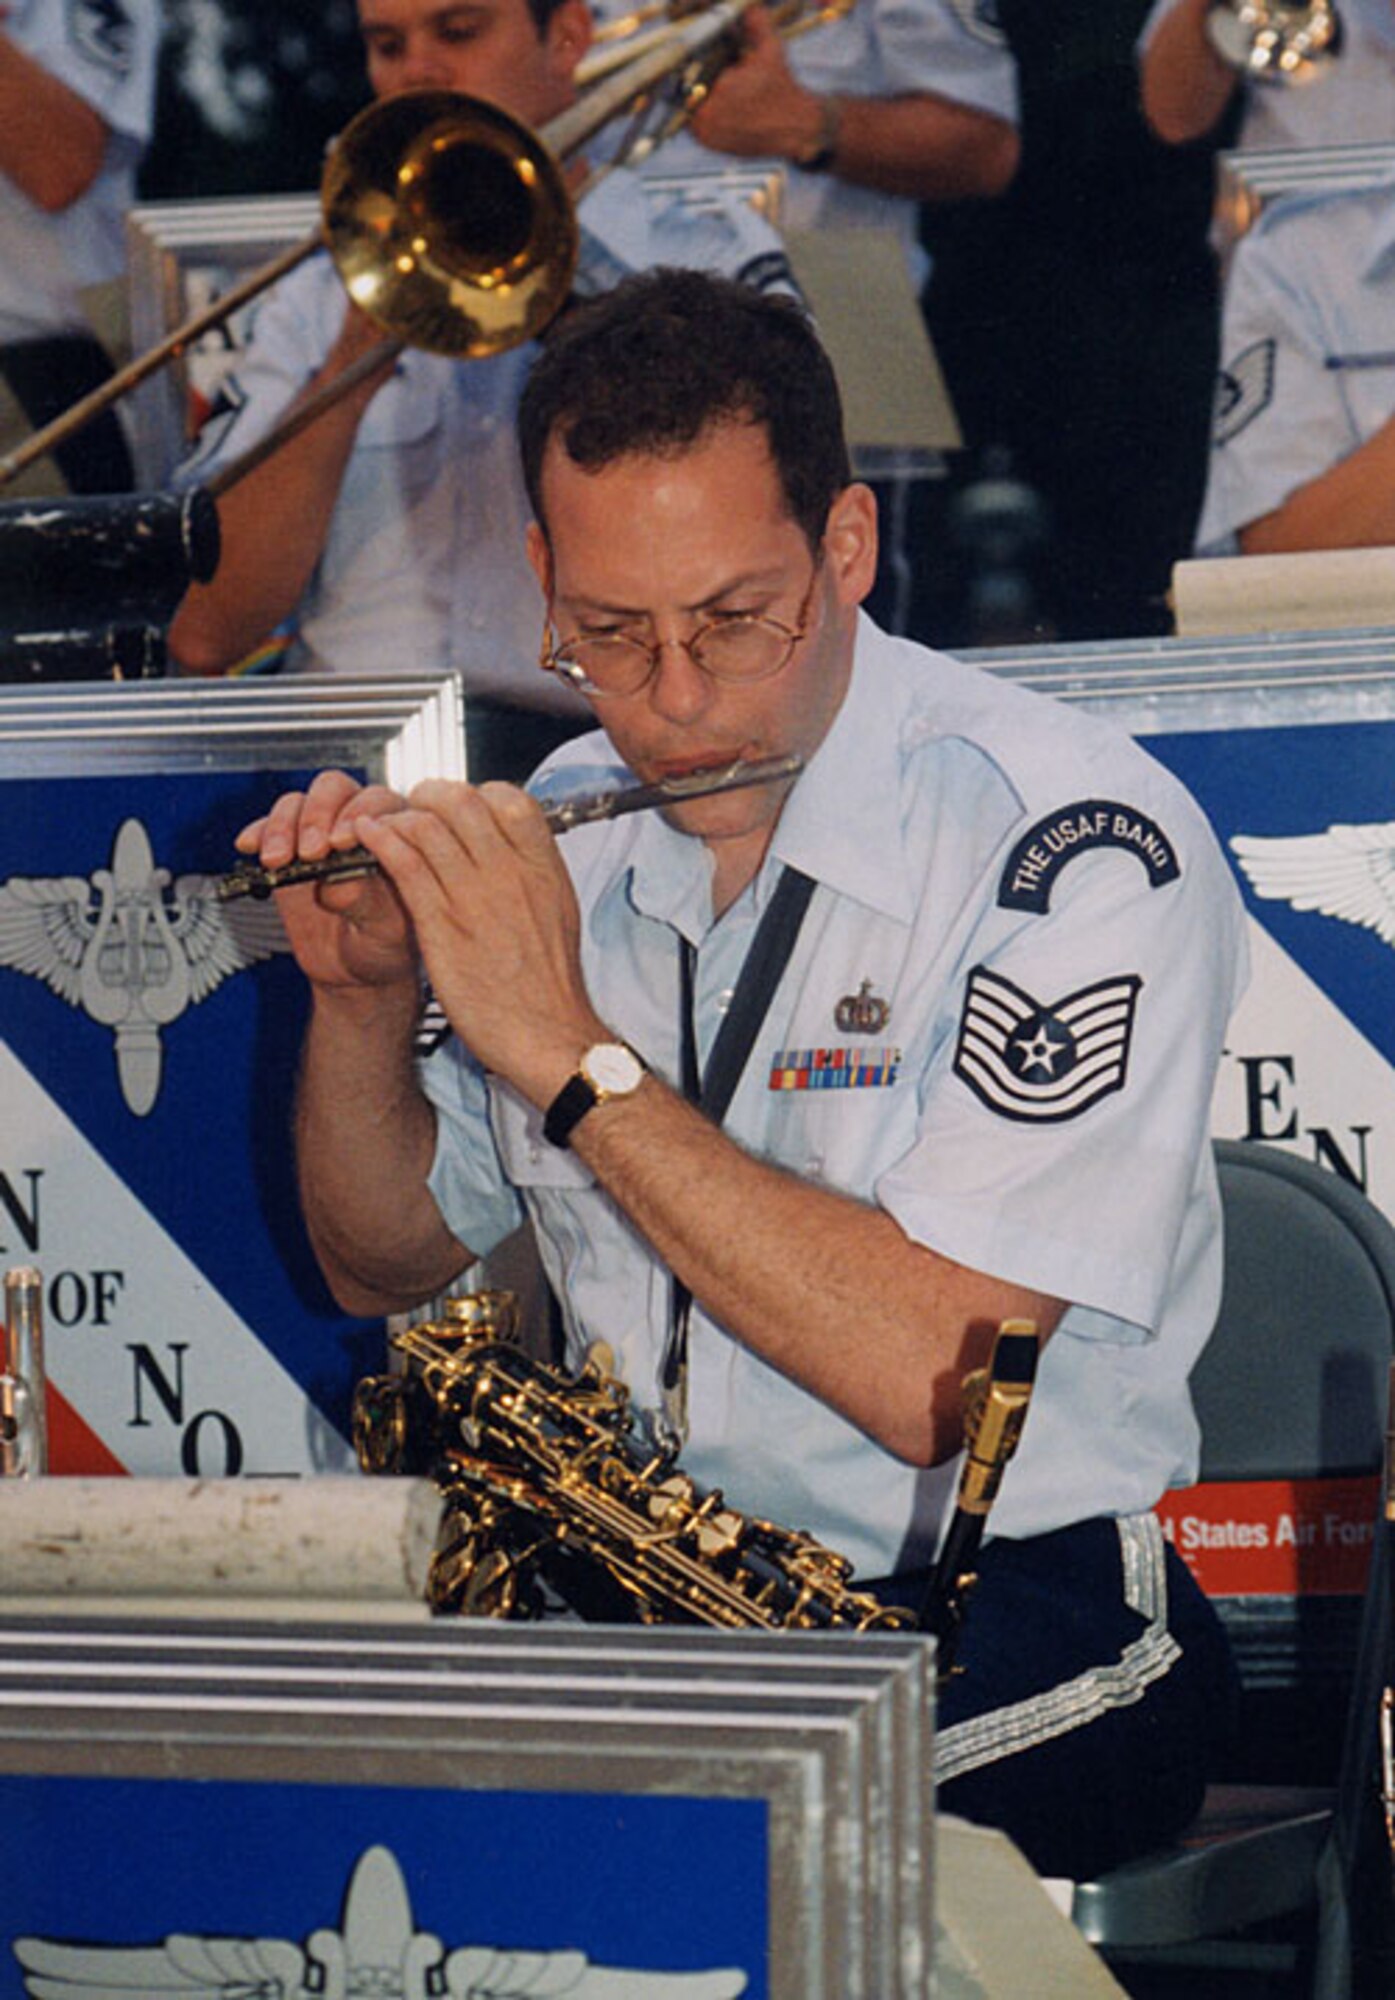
(73, 1446)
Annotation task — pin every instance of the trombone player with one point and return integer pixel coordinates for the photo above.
(905, 1147)
(388, 535)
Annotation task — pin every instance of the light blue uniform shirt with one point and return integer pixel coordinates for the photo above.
(1079, 1165)
(1307, 353)
(105, 51)
(1347, 103)
(424, 563)
(881, 48)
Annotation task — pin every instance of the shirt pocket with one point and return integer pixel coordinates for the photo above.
(530, 1160)
(841, 1133)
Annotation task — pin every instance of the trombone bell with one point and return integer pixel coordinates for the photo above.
(450, 223)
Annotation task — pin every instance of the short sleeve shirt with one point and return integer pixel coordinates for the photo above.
(424, 564)
(1000, 1023)
(106, 52)
(1307, 353)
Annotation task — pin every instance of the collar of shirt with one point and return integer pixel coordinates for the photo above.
(853, 780)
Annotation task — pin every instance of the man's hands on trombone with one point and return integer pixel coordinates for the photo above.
(912, 143)
(757, 106)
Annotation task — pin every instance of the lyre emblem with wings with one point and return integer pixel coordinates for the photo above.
(378, 1952)
(1347, 872)
(127, 952)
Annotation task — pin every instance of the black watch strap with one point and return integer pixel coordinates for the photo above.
(567, 1109)
(608, 1069)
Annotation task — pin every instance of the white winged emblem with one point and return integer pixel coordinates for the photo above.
(378, 1953)
(1347, 872)
(127, 952)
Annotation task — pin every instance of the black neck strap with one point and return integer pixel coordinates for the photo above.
(712, 1088)
(775, 939)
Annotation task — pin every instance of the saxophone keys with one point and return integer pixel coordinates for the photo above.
(600, 1359)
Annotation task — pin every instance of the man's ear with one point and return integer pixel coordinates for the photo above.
(539, 559)
(569, 35)
(850, 542)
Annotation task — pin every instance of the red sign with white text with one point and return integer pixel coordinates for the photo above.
(1275, 1537)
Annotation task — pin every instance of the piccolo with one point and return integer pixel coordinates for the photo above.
(251, 878)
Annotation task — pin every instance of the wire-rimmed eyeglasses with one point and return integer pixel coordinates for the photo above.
(734, 646)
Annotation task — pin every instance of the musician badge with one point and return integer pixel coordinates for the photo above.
(861, 1013)
(127, 952)
(1044, 1063)
(378, 1951)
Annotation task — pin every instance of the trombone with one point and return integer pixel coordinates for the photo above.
(653, 24)
(449, 221)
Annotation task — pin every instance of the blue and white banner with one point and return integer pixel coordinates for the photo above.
(1310, 1058)
(149, 1038)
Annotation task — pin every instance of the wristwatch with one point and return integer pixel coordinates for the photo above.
(608, 1069)
(820, 156)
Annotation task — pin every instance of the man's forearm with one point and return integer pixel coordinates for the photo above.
(1184, 85)
(52, 141)
(924, 148)
(365, 1138)
(827, 1289)
(1351, 506)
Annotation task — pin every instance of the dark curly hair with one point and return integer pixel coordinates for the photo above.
(651, 366)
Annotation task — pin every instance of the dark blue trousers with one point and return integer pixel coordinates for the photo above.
(1080, 1723)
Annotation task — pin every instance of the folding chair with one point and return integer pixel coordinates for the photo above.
(1291, 1386)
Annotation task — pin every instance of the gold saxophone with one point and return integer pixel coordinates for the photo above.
(549, 1484)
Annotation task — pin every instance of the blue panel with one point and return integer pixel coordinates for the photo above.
(1302, 779)
(660, 1884)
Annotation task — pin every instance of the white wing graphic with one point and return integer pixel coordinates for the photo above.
(221, 938)
(45, 928)
(477, 1973)
(1347, 872)
(379, 1951)
(182, 1968)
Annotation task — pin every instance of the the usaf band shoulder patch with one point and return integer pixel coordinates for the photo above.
(1244, 390)
(103, 31)
(1041, 1063)
(1044, 849)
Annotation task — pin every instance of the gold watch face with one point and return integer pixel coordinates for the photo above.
(612, 1069)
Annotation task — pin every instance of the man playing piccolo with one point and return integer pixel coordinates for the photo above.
(795, 1171)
